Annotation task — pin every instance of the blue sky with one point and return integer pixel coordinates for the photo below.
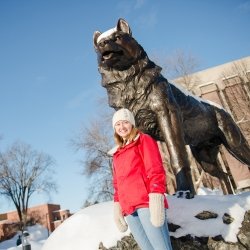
(49, 82)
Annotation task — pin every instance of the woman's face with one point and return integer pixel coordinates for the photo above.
(123, 128)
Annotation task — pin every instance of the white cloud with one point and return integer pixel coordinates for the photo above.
(40, 80)
(245, 7)
(139, 4)
(125, 8)
(147, 21)
(79, 100)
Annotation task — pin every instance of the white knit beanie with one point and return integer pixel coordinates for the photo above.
(123, 115)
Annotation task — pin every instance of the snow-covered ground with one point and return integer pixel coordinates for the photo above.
(37, 238)
(94, 224)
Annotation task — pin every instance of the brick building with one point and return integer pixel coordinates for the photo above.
(48, 215)
(229, 86)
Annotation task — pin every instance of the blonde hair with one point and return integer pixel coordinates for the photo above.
(121, 142)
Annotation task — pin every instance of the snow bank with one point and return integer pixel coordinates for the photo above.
(92, 225)
(95, 224)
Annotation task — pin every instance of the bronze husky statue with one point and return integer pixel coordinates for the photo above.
(163, 110)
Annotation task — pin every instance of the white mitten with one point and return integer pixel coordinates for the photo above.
(156, 209)
(119, 219)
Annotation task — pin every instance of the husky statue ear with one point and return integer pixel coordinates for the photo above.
(123, 26)
(95, 37)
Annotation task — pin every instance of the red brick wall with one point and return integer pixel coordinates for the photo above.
(48, 215)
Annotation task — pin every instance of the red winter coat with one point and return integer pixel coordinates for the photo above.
(138, 171)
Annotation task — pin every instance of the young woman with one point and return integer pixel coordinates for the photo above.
(139, 185)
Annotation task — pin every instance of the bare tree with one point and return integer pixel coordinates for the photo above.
(179, 67)
(96, 141)
(24, 171)
(237, 94)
